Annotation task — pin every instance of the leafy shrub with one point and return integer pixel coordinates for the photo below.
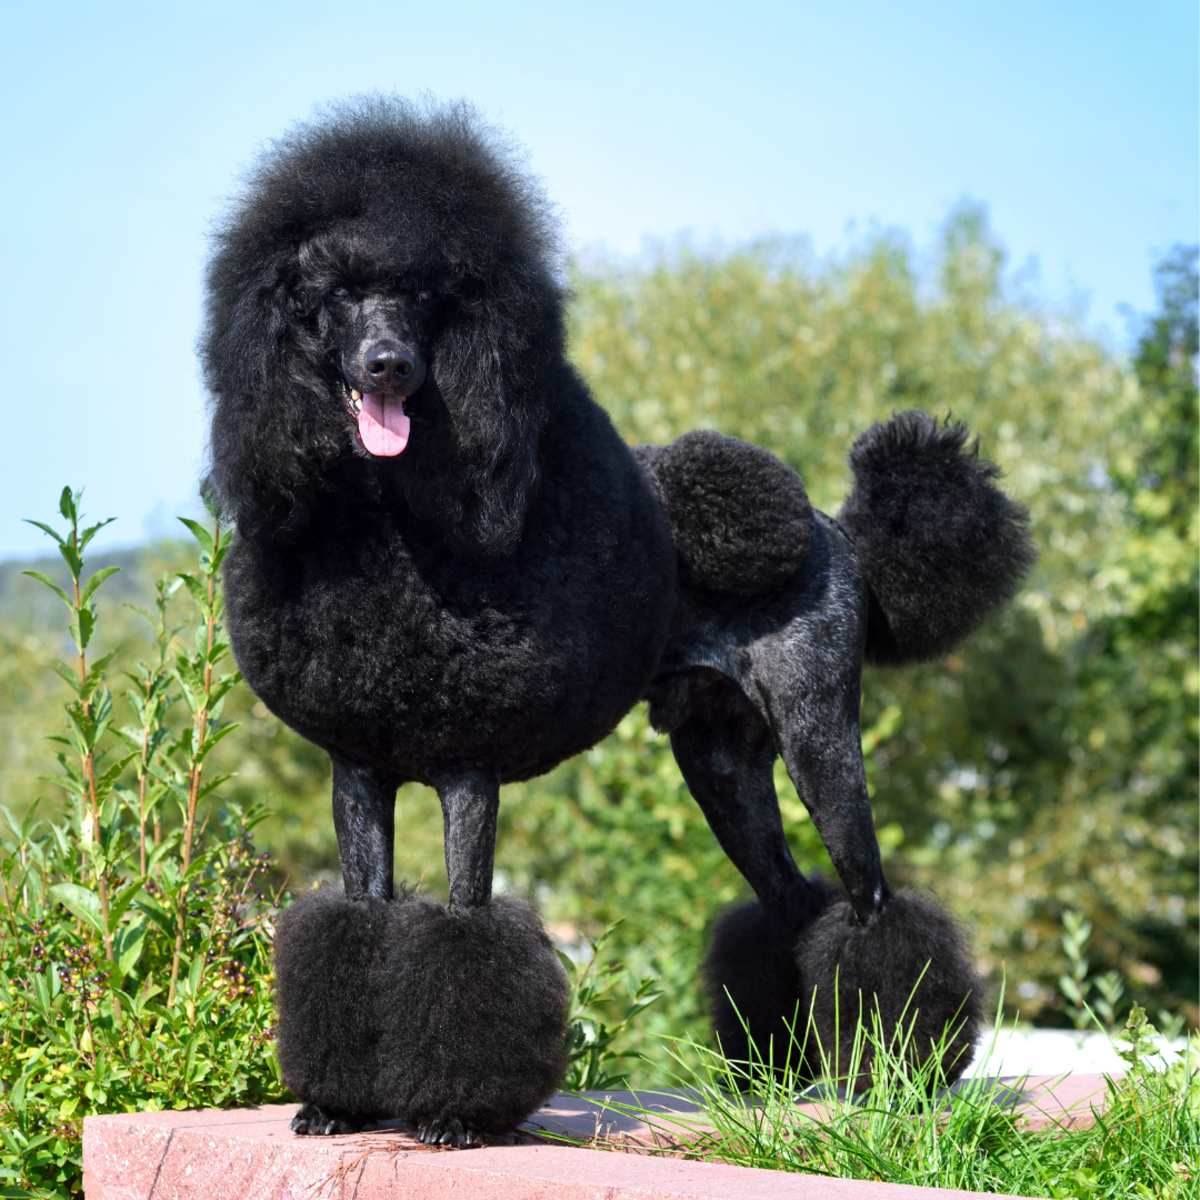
(135, 971)
(597, 1063)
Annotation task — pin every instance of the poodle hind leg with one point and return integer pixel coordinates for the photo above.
(726, 753)
(896, 962)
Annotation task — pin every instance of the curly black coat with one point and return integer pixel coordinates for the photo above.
(449, 568)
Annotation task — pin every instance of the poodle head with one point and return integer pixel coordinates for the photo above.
(382, 304)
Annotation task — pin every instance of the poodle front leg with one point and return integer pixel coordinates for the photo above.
(364, 816)
(324, 957)
(451, 1017)
(471, 1026)
(470, 801)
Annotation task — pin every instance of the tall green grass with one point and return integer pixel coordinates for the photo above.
(909, 1128)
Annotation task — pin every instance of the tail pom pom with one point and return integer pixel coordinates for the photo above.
(942, 546)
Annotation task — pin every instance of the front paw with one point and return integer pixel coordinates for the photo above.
(448, 1132)
(315, 1121)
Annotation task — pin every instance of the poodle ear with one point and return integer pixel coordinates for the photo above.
(274, 433)
(494, 369)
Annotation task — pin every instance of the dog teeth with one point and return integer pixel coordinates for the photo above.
(356, 400)
(355, 395)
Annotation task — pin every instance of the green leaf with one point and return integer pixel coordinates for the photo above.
(95, 581)
(219, 651)
(41, 991)
(91, 531)
(212, 785)
(105, 782)
(221, 689)
(72, 558)
(214, 738)
(71, 678)
(128, 943)
(199, 533)
(131, 736)
(82, 729)
(83, 902)
(83, 625)
(45, 529)
(103, 697)
(50, 584)
(68, 504)
(157, 853)
(198, 591)
(123, 899)
(157, 913)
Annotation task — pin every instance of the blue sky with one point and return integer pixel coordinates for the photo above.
(123, 125)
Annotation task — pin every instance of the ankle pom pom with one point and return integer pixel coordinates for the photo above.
(908, 973)
(409, 1009)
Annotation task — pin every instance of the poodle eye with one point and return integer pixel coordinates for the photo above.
(339, 291)
(426, 296)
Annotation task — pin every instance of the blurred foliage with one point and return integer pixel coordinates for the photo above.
(1048, 767)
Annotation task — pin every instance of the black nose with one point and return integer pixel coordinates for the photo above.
(389, 366)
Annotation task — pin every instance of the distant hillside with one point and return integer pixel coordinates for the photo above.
(27, 604)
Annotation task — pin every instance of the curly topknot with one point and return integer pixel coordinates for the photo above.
(371, 151)
(390, 189)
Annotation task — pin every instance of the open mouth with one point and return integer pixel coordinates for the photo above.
(383, 425)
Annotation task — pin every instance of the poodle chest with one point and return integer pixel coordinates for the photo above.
(394, 653)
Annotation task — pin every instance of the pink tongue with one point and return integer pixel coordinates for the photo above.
(382, 424)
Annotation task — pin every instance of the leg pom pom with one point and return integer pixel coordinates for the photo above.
(754, 991)
(908, 973)
(405, 1008)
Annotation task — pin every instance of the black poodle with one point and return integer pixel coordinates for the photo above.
(449, 568)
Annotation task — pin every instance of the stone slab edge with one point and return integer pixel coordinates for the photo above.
(250, 1154)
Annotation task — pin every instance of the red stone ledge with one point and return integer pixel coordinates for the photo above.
(250, 1154)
